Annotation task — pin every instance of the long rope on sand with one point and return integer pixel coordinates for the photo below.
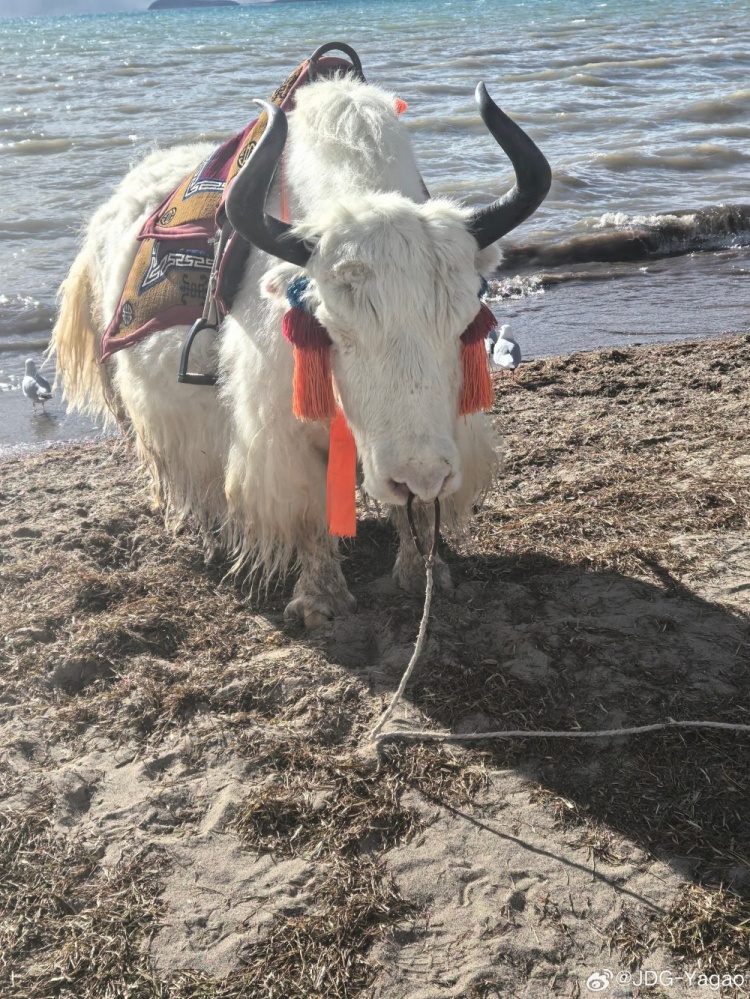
(421, 735)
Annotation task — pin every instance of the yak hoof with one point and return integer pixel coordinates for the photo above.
(316, 611)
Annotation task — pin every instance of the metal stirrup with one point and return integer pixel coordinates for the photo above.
(208, 321)
(183, 375)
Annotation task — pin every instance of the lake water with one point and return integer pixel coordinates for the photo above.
(641, 106)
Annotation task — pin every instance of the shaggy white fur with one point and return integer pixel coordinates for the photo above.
(394, 279)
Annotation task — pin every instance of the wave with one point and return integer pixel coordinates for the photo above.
(712, 110)
(215, 49)
(561, 66)
(38, 147)
(461, 124)
(503, 288)
(24, 346)
(21, 314)
(623, 238)
(131, 109)
(706, 156)
(588, 80)
(32, 229)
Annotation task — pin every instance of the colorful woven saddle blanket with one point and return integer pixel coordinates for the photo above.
(169, 279)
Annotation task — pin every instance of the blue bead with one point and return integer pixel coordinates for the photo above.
(295, 292)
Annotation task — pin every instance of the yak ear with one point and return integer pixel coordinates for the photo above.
(488, 260)
(350, 274)
(274, 283)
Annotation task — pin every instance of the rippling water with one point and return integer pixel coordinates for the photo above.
(641, 106)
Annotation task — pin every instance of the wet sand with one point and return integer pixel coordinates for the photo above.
(24, 427)
(189, 782)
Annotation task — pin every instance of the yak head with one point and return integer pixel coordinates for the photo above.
(395, 283)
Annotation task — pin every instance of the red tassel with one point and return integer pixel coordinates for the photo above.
(302, 329)
(312, 392)
(476, 390)
(480, 326)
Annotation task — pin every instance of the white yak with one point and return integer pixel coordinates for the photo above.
(393, 278)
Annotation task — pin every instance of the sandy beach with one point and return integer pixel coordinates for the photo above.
(190, 804)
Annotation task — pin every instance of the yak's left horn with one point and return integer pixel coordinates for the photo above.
(246, 202)
(533, 176)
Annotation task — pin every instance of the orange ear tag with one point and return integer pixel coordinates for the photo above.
(341, 480)
(399, 105)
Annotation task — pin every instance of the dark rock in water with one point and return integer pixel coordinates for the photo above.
(171, 4)
(662, 234)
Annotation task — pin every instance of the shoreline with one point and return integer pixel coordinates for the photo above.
(16, 450)
(170, 741)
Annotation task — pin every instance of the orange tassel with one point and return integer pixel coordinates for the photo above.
(312, 397)
(312, 392)
(341, 480)
(476, 390)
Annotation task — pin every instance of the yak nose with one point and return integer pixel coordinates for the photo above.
(427, 481)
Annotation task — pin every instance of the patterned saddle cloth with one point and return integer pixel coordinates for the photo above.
(169, 279)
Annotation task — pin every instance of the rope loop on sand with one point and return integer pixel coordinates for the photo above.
(421, 735)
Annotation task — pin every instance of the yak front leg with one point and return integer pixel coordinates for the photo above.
(409, 571)
(321, 592)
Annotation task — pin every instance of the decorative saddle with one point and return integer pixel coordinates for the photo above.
(176, 260)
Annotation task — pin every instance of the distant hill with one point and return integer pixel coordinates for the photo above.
(169, 4)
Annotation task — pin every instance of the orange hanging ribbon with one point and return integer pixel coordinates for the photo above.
(341, 481)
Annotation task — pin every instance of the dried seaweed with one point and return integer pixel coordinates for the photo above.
(115, 628)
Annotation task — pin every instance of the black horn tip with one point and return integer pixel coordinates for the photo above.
(276, 117)
(480, 94)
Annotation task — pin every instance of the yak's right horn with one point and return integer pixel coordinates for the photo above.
(533, 176)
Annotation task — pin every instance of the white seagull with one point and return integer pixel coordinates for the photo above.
(35, 387)
(505, 354)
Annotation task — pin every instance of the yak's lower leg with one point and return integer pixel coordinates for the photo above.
(409, 571)
(321, 592)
